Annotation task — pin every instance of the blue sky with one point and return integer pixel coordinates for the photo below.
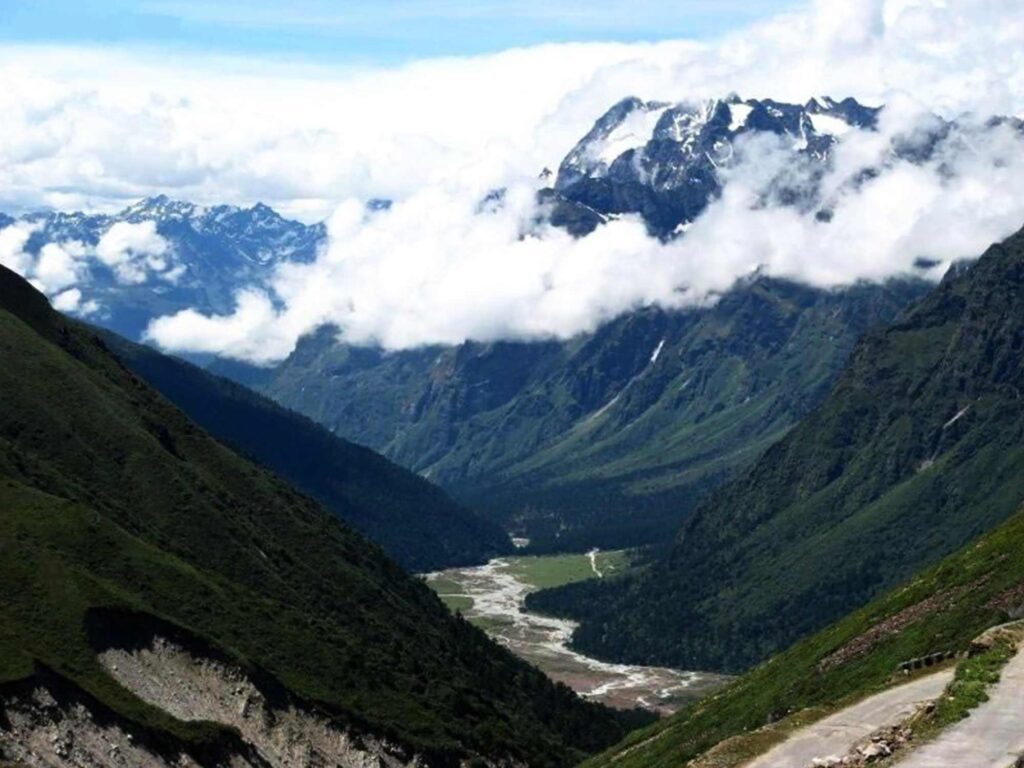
(369, 30)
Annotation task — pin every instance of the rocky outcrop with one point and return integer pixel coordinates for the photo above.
(42, 725)
(37, 729)
(283, 733)
(881, 745)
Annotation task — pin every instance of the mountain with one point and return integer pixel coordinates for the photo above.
(159, 256)
(938, 613)
(667, 162)
(610, 439)
(594, 441)
(170, 601)
(664, 161)
(415, 522)
(607, 439)
(917, 450)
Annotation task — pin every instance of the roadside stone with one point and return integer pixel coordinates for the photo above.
(875, 751)
(827, 762)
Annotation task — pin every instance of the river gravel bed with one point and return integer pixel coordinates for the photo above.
(498, 597)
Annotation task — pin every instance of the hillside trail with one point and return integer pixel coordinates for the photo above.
(835, 735)
(991, 737)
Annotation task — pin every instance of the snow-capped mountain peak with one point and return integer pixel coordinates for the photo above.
(158, 208)
(663, 160)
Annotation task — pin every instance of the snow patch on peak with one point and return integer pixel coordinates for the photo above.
(633, 132)
(829, 125)
(739, 114)
(160, 207)
(670, 160)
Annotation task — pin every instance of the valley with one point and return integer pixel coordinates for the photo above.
(229, 564)
(606, 388)
(923, 426)
(491, 596)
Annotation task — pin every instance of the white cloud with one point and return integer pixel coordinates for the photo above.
(58, 266)
(93, 128)
(70, 301)
(67, 301)
(12, 247)
(87, 128)
(133, 251)
(433, 270)
(252, 333)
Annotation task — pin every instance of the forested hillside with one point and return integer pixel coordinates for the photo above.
(605, 440)
(919, 448)
(116, 504)
(937, 613)
(415, 522)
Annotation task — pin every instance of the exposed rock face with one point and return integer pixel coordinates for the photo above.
(37, 728)
(663, 161)
(191, 687)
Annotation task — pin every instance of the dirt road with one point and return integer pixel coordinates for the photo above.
(993, 735)
(837, 734)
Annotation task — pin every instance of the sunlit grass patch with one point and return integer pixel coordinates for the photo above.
(555, 570)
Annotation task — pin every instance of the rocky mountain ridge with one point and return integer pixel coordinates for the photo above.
(557, 439)
(159, 256)
(664, 161)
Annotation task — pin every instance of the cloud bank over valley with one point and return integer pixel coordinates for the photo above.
(437, 136)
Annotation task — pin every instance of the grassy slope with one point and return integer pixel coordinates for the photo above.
(112, 498)
(919, 448)
(943, 609)
(555, 570)
(540, 572)
(415, 522)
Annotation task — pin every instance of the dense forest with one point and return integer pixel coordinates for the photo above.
(415, 522)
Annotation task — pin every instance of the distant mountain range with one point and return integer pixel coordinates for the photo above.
(207, 254)
(661, 161)
(667, 162)
(611, 438)
(605, 440)
(831, 482)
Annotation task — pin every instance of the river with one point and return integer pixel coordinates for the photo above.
(497, 595)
